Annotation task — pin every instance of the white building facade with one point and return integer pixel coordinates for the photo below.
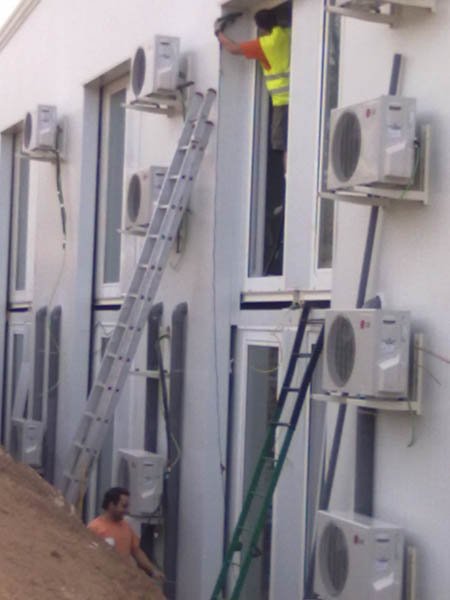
(253, 247)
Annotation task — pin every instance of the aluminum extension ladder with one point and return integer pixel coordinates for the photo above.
(121, 349)
(243, 547)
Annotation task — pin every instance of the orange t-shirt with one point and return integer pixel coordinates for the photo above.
(253, 49)
(118, 534)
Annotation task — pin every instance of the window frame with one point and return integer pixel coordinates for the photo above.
(20, 296)
(246, 339)
(257, 179)
(108, 291)
(323, 275)
(18, 324)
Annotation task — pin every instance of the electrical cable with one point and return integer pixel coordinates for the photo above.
(165, 395)
(59, 189)
(416, 166)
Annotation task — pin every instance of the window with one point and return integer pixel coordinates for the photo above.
(18, 342)
(266, 239)
(329, 100)
(110, 189)
(20, 269)
(255, 406)
(262, 370)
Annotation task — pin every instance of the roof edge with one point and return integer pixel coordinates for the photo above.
(17, 18)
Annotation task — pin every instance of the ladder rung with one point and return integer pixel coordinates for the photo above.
(290, 389)
(162, 227)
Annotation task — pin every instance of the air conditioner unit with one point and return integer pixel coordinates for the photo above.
(26, 441)
(367, 352)
(155, 68)
(40, 129)
(142, 193)
(372, 143)
(357, 557)
(141, 473)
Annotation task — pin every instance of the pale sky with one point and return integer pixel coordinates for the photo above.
(6, 8)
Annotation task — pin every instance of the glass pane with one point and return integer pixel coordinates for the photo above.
(17, 357)
(260, 411)
(330, 89)
(116, 140)
(23, 167)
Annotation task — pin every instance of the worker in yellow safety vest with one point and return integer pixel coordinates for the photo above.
(273, 50)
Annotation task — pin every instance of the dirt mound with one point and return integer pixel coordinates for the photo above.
(46, 552)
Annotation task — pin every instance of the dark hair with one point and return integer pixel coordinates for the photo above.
(113, 495)
(266, 19)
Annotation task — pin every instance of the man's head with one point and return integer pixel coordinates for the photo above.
(115, 503)
(266, 20)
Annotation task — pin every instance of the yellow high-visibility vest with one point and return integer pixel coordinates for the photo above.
(277, 48)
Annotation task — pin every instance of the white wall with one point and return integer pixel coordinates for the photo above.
(84, 40)
(410, 271)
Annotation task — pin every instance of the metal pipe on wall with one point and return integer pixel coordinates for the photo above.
(174, 454)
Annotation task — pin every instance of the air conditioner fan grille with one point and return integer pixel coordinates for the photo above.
(333, 554)
(27, 130)
(346, 146)
(134, 198)
(138, 72)
(341, 350)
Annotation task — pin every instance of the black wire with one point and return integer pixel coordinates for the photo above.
(59, 186)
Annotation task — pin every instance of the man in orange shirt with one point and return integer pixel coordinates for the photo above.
(112, 528)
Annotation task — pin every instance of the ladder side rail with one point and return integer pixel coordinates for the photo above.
(268, 443)
(124, 313)
(93, 426)
(110, 400)
(187, 173)
(171, 220)
(154, 225)
(294, 355)
(306, 381)
(130, 342)
(162, 248)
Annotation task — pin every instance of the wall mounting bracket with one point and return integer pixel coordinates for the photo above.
(168, 106)
(358, 10)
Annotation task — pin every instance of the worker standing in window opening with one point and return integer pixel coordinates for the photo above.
(111, 527)
(273, 50)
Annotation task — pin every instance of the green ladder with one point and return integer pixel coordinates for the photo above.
(249, 548)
